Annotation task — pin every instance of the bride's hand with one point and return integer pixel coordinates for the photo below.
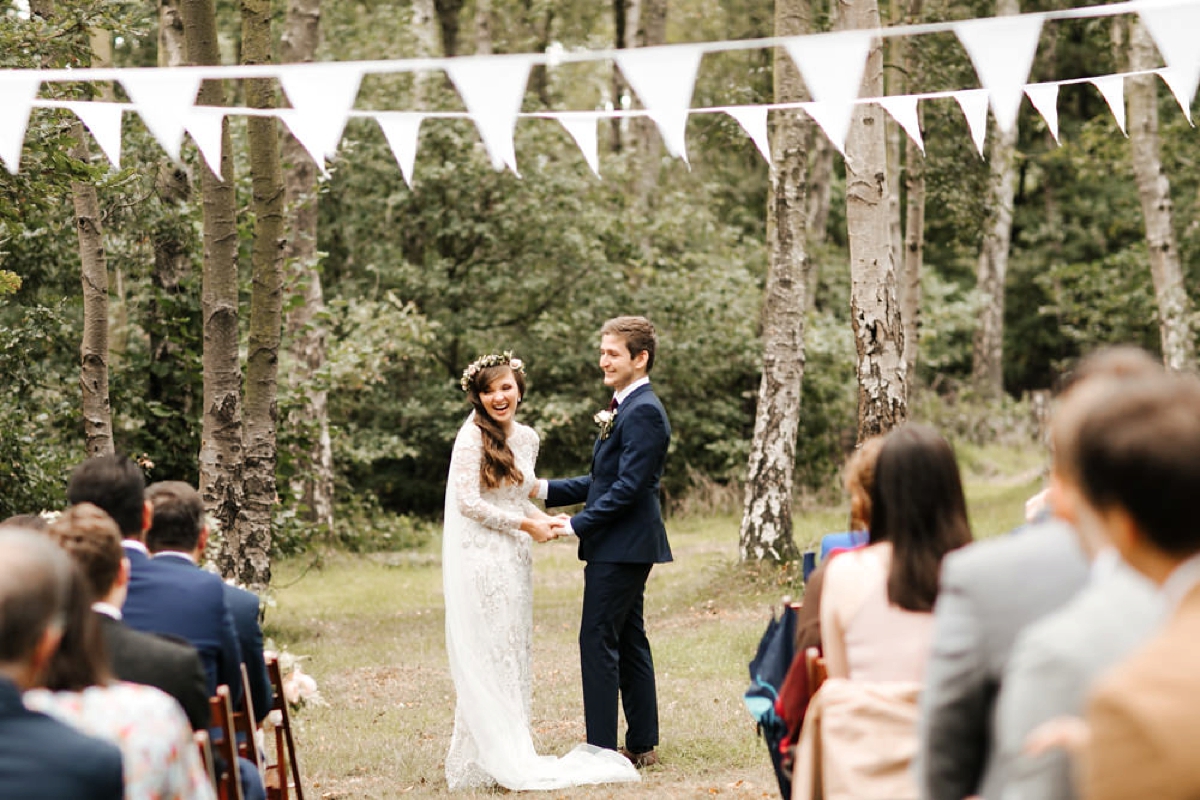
(539, 530)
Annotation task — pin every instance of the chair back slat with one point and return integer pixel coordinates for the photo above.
(229, 783)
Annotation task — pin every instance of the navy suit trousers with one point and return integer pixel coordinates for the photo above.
(615, 656)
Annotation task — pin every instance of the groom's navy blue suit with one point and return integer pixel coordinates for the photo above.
(621, 536)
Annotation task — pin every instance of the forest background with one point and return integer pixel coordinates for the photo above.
(396, 289)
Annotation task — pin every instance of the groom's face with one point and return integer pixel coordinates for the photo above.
(619, 367)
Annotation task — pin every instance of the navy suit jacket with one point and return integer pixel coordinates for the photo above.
(243, 605)
(621, 521)
(44, 759)
(173, 596)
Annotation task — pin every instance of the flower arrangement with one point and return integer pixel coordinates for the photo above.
(605, 420)
(299, 688)
(504, 359)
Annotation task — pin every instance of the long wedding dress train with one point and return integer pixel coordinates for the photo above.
(487, 577)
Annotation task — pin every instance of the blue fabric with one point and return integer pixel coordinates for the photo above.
(844, 541)
(243, 607)
(174, 596)
(768, 669)
(43, 758)
(622, 521)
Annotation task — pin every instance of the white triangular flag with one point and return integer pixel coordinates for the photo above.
(974, 105)
(829, 118)
(17, 93)
(1002, 50)
(753, 120)
(402, 132)
(492, 88)
(1044, 97)
(310, 133)
(323, 95)
(164, 98)
(663, 79)
(1175, 81)
(903, 109)
(104, 122)
(1175, 30)
(1113, 89)
(832, 66)
(205, 125)
(582, 127)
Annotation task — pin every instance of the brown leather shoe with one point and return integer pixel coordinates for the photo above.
(641, 760)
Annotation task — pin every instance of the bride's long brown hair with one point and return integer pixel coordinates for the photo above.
(498, 465)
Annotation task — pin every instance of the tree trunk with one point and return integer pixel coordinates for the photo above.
(222, 456)
(483, 27)
(621, 16)
(313, 484)
(874, 301)
(766, 529)
(93, 373)
(914, 220)
(987, 367)
(447, 13)
(249, 552)
(651, 31)
(1154, 189)
(300, 39)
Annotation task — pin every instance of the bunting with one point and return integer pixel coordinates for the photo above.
(1177, 83)
(206, 127)
(582, 127)
(492, 89)
(321, 99)
(104, 122)
(1002, 51)
(163, 98)
(1044, 97)
(17, 92)
(753, 120)
(402, 132)
(974, 105)
(663, 79)
(1175, 30)
(1112, 88)
(903, 109)
(832, 66)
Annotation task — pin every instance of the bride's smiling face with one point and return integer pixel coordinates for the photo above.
(501, 397)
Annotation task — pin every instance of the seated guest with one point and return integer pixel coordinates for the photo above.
(92, 540)
(178, 528)
(1136, 456)
(990, 591)
(876, 604)
(157, 750)
(116, 485)
(1056, 660)
(40, 756)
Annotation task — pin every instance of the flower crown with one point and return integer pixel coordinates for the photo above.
(504, 359)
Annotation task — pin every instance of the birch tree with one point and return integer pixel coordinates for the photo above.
(1154, 191)
(313, 482)
(248, 553)
(766, 529)
(221, 448)
(914, 217)
(874, 301)
(987, 361)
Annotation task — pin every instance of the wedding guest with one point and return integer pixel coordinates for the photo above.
(40, 756)
(158, 753)
(93, 541)
(1138, 467)
(178, 525)
(876, 604)
(116, 485)
(1056, 660)
(30, 522)
(990, 591)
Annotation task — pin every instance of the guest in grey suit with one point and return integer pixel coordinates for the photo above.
(989, 592)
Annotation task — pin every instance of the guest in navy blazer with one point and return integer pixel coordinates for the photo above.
(116, 484)
(621, 536)
(244, 607)
(176, 597)
(40, 756)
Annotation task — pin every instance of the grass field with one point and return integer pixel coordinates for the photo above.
(371, 630)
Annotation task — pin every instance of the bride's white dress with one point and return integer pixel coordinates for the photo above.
(487, 576)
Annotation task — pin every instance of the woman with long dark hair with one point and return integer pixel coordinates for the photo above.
(487, 577)
(876, 620)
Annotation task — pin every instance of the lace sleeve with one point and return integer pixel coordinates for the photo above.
(464, 473)
(529, 444)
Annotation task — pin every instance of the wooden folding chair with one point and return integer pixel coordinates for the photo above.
(245, 726)
(284, 775)
(229, 781)
(204, 747)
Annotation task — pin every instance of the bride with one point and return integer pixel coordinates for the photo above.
(488, 585)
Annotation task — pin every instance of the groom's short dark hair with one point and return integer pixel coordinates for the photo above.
(638, 333)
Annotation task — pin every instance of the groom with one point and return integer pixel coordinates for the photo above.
(621, 536)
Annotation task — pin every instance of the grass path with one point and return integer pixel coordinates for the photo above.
(371, 629)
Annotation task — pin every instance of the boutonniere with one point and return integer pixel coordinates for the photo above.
(605, 420)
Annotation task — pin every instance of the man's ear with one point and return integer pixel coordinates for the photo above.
(147, 515)
(641, 359)
(1123, 532)
(202, 542)
(122, 574)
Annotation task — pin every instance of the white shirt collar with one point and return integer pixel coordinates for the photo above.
(107, 609)
(175, 554)
(1104, 564)
(1182, 580)
(134, 544)
(628, 390)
